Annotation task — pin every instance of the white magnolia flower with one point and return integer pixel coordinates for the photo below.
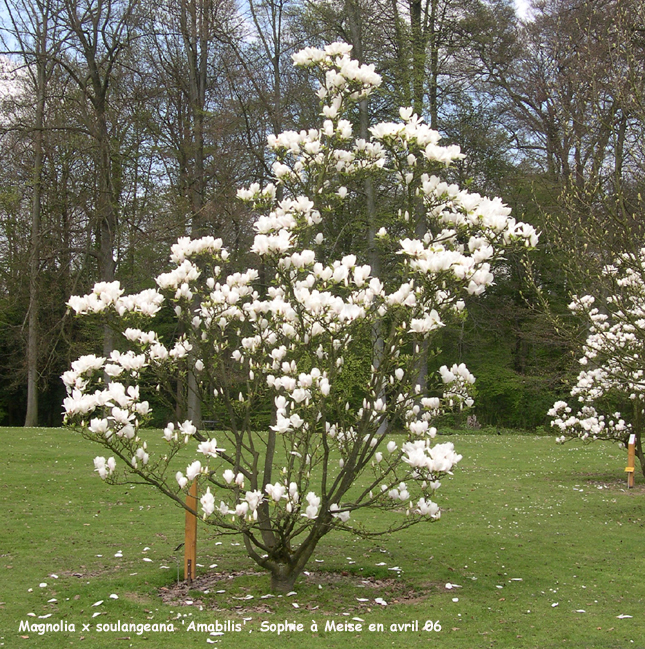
(209, 448)
(193, 470)
(208, 502)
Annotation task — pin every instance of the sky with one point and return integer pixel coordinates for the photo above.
(522, 6)
(7, 78)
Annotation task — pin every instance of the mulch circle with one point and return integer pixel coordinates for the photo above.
(393, 590)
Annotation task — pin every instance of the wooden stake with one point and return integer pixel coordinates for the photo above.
(631, 453)
(190, 543)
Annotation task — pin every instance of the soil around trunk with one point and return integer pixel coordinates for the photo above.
(231, 591)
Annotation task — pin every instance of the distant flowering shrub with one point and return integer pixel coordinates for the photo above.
(321, 462)
(612, 361)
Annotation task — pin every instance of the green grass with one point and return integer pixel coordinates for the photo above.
(518, 508)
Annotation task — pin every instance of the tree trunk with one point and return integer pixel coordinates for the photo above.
(195, 27)
(106, 212)
(421, 35)
(356, 33)
(283, 578)
(31, 417)
(285, 573)
(97, 58)
(636, 428)
(418, 56)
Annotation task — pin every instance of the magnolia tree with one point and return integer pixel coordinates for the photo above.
(285, 340)
(612, 361)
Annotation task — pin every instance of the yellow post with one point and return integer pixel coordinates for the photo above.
(631, 453)
(190, 543)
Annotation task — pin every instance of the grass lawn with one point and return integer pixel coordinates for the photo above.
(544, 542)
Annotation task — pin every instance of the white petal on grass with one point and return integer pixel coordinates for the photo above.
(267, 596)
(290, 594)
(554, 604)
(98, 603)
(219, 592)
(381, 601)
(97, 613)
(295, 605)
(44, 617)
(213, 565)
(499, 586)
(358, 619)
(52, 600)
(362, 599)
(382, 563)
(164, 567)
(622, 616)
(147, 559)
(516, 579)
(31, 614)
(114, 596)
(455, 599)
(43, 585)
(54, 576)
(581, 610)
(145, 549)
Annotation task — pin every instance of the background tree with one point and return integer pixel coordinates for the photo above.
(98, 38)
(549, 113)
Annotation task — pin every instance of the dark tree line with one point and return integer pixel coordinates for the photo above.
(125, 124)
